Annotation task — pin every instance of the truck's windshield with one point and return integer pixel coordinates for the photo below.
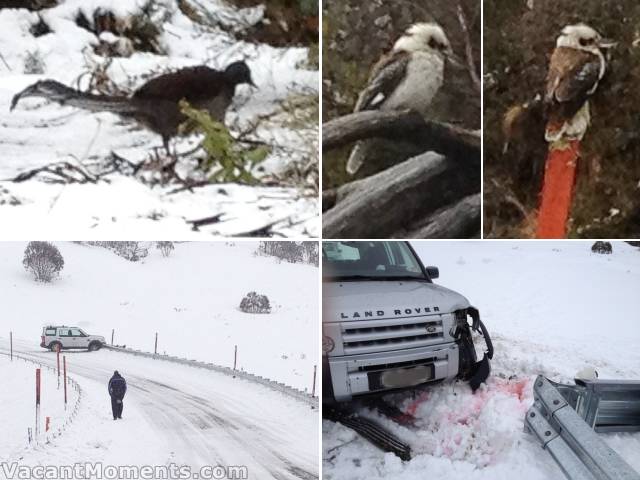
(369, 261)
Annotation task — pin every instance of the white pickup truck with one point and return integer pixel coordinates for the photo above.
(387, 326)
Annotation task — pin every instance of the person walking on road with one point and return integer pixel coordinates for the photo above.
(117, 389)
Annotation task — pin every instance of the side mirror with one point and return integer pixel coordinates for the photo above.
(433, 272)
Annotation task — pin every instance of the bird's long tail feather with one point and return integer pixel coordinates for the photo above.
(56, 91)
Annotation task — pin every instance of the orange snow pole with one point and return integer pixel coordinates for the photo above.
(557, 189)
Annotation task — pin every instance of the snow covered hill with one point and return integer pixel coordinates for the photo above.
(552, 308)
(123, 204)
(174, 414)
(190, 299)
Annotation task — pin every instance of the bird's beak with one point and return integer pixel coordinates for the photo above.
(455, 60)
(607, 43)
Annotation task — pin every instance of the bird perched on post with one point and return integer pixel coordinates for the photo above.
(576, 67)
(156, 103)
(408, 77)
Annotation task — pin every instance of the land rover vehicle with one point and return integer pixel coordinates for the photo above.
(387, 326)
(63, 337)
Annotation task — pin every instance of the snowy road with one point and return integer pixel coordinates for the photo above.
(181, 415)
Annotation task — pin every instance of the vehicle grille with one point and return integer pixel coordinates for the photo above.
(383, 335)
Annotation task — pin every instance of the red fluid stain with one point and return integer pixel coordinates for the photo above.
(413, 406)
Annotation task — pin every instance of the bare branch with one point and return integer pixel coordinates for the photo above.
(404, 125)
(471, 64)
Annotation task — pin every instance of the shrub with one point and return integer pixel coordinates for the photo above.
(604, 248)
(165, 248)
(43, 260)
(255, 303)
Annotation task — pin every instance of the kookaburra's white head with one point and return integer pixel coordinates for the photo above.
(583, 37)
(427, 37)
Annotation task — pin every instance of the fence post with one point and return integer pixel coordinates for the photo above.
(37, 429)
(155, 349)
(58, 363)
(315, 372)
(235, 356)
(112, 331)
(46, 423)
(64, 364)
(11, 343)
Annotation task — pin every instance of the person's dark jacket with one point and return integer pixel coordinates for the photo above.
(117, 386)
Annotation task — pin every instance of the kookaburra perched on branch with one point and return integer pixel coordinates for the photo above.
(576, 67)
(408, 77)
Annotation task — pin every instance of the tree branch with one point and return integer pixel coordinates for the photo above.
(404, 125)
(399, 197)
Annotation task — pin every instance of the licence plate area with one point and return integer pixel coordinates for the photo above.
(400, 377)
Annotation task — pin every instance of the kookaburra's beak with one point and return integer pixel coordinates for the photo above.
(606, 43)
(454, 59)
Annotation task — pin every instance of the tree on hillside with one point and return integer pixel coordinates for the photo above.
(165, 248)
(43, 260)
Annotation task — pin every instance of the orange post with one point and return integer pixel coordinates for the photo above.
(557, 190)
(64, 366)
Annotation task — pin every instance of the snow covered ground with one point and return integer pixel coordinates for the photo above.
(174, 414)
(38, 132)
(552, 308)
(190, 299)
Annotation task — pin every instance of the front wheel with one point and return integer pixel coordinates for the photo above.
(93, 346)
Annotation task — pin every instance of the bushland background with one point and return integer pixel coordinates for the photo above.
(518, 39)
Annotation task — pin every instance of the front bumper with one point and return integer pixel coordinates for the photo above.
(361, 374)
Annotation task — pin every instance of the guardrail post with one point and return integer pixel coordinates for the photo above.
(155, 348)
(11, 344)
(112, 331)
(315, 372)
(58, 363)
(64, 363)
(235, 356)
(37, 428)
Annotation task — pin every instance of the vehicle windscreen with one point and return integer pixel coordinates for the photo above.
(366, 260)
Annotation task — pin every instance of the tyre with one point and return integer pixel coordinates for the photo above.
(55, 346)
(93, 346)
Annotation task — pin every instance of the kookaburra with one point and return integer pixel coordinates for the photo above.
(576, 67)
(408, 77)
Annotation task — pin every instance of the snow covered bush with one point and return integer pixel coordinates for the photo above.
(165, 248)
(604, 248)
(255, 303)
(43, 260)
(292, 252)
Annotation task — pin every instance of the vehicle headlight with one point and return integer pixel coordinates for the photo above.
(327, 344)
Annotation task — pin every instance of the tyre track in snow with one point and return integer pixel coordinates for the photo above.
(201, 431)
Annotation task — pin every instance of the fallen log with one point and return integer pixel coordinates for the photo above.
(390, 202)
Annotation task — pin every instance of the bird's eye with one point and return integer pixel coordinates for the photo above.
(585, 42)
(433, 43)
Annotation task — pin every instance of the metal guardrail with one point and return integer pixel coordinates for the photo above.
(563, 418)
(272, 384)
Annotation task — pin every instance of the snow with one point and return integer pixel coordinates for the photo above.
(38, 133)
(552, 308)
(191, 299)
(180, 414)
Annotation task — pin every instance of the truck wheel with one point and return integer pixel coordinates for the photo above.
(55, 346)
(93, 346)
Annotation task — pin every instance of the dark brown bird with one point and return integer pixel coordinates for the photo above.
(155, 104)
